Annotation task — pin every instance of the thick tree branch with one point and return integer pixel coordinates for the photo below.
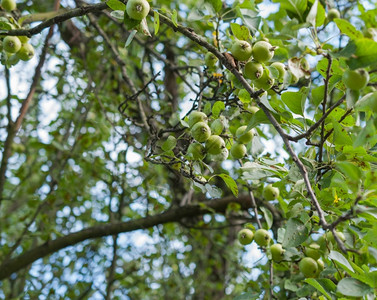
(173, 215)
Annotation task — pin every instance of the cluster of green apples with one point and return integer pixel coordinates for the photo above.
(14, 48)
(207, 138)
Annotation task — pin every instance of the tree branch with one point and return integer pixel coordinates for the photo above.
(174, 215)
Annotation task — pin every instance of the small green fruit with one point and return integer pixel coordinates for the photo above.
(313, 251)
(332, 14)
(270, 192)
(9, 5)
(137, 9)
(262, 237)
(13, 60)
(215, 144)
(210, 59)
(217, 126)
(277, 252)
(309, 267)
(253, 70)
(321, 265)
(265, 82)
(195, 117)
(263, 51)
(281, 69)
(355, 79)
(196, 151)
(201, 132)
(11, 44)
(243, 136)
(238, 151)
(26, 52)
(245, 236)
(241, 50)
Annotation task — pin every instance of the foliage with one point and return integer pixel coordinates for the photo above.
(96, 176)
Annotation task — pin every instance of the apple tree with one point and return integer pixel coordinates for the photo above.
(188, 149)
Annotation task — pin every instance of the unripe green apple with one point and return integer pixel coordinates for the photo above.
(277, 252)
(309, 267)
(210, 59)
(26, 52)
(355, 79)
(215, 144)
(281, 69)
(241, 50)
(11, 44)
(253, 70)
(9, 5)
(201, 132)
(313, 251)
(13, 60)
(238, 151)
(270, 192)
(137, 9)
(195, 117)
(332, 14)
(265, 82)
(243, 136)
(196, 151)
(262, 237)
(245, 236)
(321, 265)
(263, 51)
(217, 126)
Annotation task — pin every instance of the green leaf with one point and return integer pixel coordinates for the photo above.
(169, 144)
(297, 7)
(295, 101)
(156, 22)
(240, 32)
(230, 183)
(296, 233)
(217, 108)
(367, 103)
(130, 37)
(323, 285)
(341, 260)
(349, 170)
(116, 5)
(268, 217)
(365, 54)
(312, 15)
(213, 191)
(216, 4)
(129, 22)
(317, 95)
(174, 18)
(258, 118)
(348, 29)
(353, 288)
(117, 14)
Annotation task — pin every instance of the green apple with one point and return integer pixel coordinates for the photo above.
(265, 82)
(26, 52)
(281, 69)
(137, 9)
(253, 70)
(262, 237)
(210, 59)
(270, 192)
(245, 236)
(309, 267)
(263, 51)
(332, 14)
(241, 50)
(11, 44)
(238, 151)
(321, 265)
(201, 132)
(196, 151)
(217, 126)
(313, 251)
(13, 60)
(243, 136)
(195, 117)
(355, 79)
(9, 5)
(215, 144)
(277, 252)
